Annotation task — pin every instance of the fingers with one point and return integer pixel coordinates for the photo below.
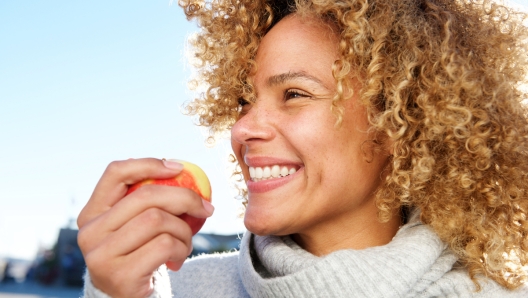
(115, 180)
(159, 250)
(145, 227)
(147, 241)
(175, 200)
(130, 275)
(138, 208)
(127, 257)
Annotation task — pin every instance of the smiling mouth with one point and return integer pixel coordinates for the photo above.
(270, 172)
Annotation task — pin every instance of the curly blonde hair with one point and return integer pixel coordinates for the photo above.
(442, 79)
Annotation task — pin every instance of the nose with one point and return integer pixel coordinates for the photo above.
(257, 125)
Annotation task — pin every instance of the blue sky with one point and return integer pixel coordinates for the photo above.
(83, 83)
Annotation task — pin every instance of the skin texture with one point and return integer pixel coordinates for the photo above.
(124, 238)
(328, 204)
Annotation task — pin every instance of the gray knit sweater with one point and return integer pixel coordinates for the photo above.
(414, 264)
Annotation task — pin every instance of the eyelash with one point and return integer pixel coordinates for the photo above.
(290, 93)
(242, 102)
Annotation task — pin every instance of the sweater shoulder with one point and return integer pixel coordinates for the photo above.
(208, 275)
(457, 283)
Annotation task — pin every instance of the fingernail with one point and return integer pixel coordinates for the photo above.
(173, 165)
(208, 207)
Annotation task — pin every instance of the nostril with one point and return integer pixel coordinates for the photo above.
(251, 139)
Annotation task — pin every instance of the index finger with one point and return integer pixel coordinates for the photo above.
(115, 180)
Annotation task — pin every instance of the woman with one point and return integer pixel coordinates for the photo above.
(383, 145)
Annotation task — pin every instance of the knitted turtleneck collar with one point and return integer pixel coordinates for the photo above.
(277, 267)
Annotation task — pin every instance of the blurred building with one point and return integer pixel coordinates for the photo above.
(63, 264)
(13, 270)
(70, 259)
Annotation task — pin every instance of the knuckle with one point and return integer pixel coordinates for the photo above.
(80, 219)
(114, 166)
(146, 191)
(86, 215)
(144, 194)
(152, 217)
(82, 239)
(166, 242)
(93, 260)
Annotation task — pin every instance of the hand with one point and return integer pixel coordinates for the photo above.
(125, 238)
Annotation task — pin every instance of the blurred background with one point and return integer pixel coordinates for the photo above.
(83, 83)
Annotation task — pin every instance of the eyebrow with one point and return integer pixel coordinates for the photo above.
(284, 77)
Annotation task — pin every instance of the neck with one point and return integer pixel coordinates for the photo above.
(362, 232)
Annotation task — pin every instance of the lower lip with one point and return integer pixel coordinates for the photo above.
(270, 184)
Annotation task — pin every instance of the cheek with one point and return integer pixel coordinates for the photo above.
(317, 139)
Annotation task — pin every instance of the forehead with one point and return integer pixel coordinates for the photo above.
(298, 42)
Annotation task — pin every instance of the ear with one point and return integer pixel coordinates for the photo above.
(390, 145)
(386, 143)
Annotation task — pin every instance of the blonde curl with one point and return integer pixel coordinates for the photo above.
(440, 79)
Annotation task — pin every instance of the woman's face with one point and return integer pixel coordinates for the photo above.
(304, 174)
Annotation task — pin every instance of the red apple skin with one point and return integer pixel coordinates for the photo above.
(191, 177)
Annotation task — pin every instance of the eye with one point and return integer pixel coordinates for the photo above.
(242, 102)
(243, 107)
(295, 93)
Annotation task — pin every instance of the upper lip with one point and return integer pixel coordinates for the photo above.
(263, 161)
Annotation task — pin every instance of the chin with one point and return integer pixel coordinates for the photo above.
(256, 226)
(262, 224)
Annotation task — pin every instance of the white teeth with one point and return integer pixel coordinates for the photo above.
(258, 173)
(275, 171)
(268, 172)
(284, 171)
